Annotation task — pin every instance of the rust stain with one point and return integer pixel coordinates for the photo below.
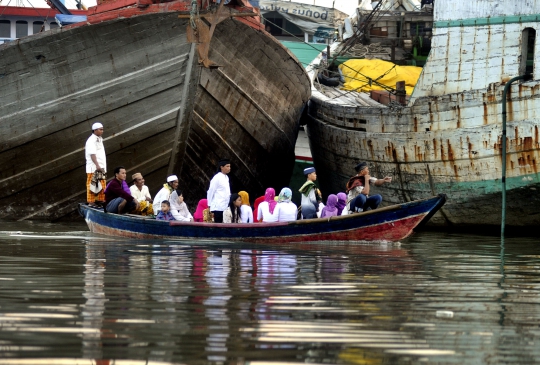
(458, 116)
(435, 147)
(405, 157)
(509, 106)
(450, 151)
(527, 143)
(536, 135)
(516, 139)
(456, 175)
(370, 145)
(415, 124)
(485, 113)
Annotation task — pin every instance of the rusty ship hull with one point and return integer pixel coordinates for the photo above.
(163, 113)
(448, 138)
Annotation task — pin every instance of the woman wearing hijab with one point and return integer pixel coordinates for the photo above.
(330, 210)
(258, 201)
(201, 206)
(245, 210)
(265, 212)
(179, 208)
(286, 210)
(341, 202)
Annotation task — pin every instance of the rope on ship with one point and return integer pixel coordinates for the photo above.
(370, 80)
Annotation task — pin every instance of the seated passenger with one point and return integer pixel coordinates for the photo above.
(165, 192)
(164, 213)
(341, 202)
(245, 209)
(117, 200)
(258, 201)
(286, 210)
(201, 206)
(141, 193)
(358, 188)
(232, 213)
(311, 196)
(330, 210)
(179, 208)
(265, 211)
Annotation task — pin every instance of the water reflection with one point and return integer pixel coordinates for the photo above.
(434, 298)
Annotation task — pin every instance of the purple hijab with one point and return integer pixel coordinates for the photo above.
(341, 202)
(330, 210)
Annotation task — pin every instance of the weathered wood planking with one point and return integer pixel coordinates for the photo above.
(448, 139)
(134, 75)
(248, 114)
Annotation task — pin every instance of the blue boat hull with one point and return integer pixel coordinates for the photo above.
(391, 223)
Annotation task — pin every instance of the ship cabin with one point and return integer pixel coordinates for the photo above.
(17, 22)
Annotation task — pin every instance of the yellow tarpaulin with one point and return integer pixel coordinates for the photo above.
(357, 71)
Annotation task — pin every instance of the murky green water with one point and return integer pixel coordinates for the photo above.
(69, 297)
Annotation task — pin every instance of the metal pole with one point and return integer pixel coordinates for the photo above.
(506, 88)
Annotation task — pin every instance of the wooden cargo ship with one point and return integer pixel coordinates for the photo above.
(177, 87)
(447, 138)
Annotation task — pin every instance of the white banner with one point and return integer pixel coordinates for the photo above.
(311, 19)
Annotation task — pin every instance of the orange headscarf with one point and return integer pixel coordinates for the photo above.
(245, 197)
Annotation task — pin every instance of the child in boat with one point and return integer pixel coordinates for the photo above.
(233, 213)
(164, 214)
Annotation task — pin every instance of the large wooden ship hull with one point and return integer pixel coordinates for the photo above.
(448, 138)
(162, 112)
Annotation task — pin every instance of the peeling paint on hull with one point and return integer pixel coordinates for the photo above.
(448, 139)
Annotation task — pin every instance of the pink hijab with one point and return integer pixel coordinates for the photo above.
(269, 196)
(198, 215)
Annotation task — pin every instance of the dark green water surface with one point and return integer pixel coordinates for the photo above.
(68, 297)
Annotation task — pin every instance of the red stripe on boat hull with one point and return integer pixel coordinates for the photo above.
(389, 231)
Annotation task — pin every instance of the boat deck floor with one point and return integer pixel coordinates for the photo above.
(344, 97)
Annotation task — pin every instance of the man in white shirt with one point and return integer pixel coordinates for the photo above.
(165, 192)
(219, 193)
(94, 152)
(141, 193)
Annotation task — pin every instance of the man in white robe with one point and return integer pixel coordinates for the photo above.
(165, 192)
(219, 193)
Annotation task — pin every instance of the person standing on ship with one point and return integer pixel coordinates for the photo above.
(219, 192)
(358, 188)
(96, 166)
(311, 196)
(165, 193)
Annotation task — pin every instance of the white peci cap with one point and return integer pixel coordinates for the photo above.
(96, 126)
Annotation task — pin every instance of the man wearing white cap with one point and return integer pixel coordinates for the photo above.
(165, 192)
(96, 165)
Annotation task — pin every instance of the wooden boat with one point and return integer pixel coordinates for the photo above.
(391, 223)
(447, 138)
(132, 67)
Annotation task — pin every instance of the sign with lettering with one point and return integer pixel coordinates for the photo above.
(311, 19)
